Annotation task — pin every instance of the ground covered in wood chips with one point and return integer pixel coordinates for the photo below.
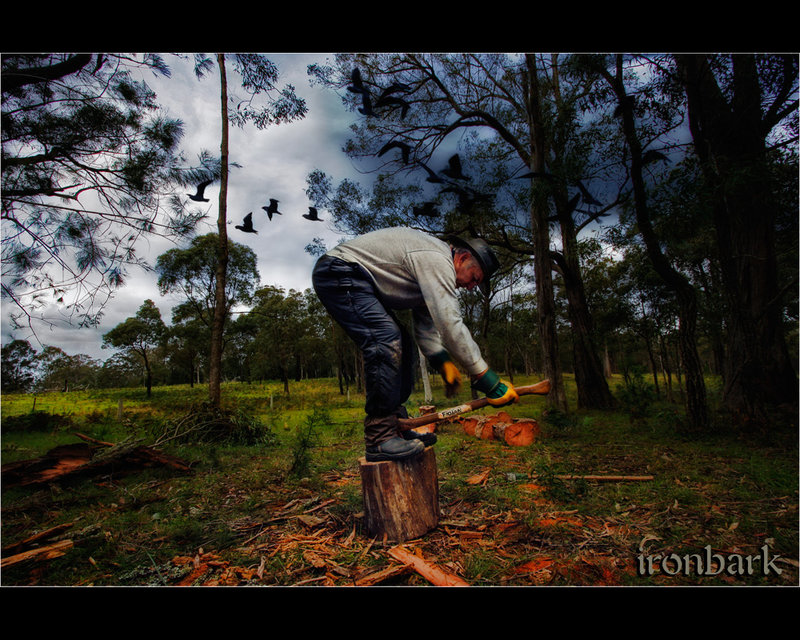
(719, 511)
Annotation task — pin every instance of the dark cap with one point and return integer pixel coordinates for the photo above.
(483, 254)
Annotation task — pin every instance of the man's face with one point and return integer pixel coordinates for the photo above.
(468, 272)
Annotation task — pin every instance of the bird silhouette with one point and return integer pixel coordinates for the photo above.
(366, 103)
(453, 169)
(247, 227)
(536, 174)
(198, 197)
(467, 197)
(587, 197)
(394, 88)
(396, 144)
(432, 177)
(653, 156)
(395, 102)
(356, 83)
(428, 210)
(312, 215)
(272, 208)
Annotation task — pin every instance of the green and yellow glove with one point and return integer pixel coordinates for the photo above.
(498, 392)
(450, 374)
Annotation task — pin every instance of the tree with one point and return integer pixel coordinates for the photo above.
(742, 113)
(193, 274)
(494, 94)
(59, 370)
(677, 282)
(19, 366)
(258, 76)
(89, 164)
(278, 322)
(140, 335)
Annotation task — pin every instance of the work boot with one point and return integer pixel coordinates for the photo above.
(428, 439)
(396, 448)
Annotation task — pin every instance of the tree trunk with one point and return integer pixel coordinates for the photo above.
(218, 322)
(551, 363)
(696, 403)
(729, 139)
(401, 498)
(593, 391)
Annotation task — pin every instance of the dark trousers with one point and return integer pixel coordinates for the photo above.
(347, 292)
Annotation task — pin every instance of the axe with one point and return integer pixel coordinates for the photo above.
(540, 388)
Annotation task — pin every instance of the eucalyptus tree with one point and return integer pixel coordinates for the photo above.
(258, 77)
(90, 164)
(646, 112)
(19, 366)
(192, 274)
(501, 108)
(743, 116)
(140, 334)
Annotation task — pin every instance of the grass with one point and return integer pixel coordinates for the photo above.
(285, 508)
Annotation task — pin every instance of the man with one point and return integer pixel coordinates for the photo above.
(362, 281)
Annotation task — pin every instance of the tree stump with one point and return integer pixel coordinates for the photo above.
(401, 497)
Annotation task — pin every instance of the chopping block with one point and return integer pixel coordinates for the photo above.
(401, 497)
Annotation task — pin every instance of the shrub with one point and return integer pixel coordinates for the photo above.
(636, 397)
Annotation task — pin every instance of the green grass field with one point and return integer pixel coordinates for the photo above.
(282, 506)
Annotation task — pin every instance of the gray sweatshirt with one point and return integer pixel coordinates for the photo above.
(413, 270)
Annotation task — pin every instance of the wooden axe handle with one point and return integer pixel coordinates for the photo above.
(540, 388)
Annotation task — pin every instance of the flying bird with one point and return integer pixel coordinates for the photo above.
(428, 210)
(312, 215)
(247, 227)
(394, 88)
(366, 107)
(272, 208)
(587, 197)
(453, 169)
(653, 156)
(356, 84)
(198, 197)
(396, 102)
(396, 144)
(536, 174)
(432, 177)
(466, 197)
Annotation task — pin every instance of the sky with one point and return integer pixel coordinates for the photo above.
(274, 164)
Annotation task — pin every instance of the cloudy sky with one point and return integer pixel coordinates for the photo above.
(274, 163)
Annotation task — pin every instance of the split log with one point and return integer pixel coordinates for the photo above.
(401, 497)
(49, 552)
(519, 432)
(18, 547)
(430, 572)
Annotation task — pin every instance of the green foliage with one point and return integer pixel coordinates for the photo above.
(82, 126)
(18, 364)
(306, 438)
(636, 397)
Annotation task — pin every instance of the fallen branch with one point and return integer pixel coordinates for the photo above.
(610, 478)
(35, 539)
(430, 572)
(49, 552)
(80, 459)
